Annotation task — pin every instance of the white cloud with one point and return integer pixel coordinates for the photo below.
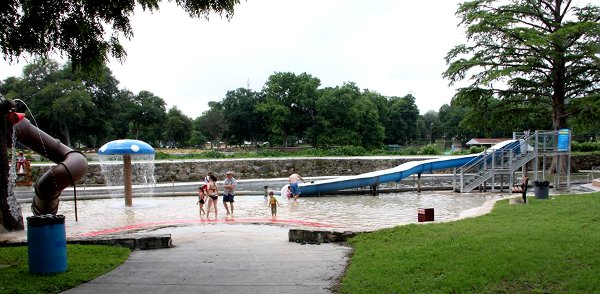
(392, 47)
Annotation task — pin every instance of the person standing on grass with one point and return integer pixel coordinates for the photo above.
(294, 179)
(213, 195)
(273, 203)
(229, 185)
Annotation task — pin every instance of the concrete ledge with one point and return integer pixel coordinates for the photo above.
(142, 242)
(318, 237)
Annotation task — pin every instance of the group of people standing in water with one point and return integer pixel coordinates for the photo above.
(208, 193)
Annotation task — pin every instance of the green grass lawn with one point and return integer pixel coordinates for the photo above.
(546, 246)
(85, 262)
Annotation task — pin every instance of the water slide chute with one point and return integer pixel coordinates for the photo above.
(71, 165)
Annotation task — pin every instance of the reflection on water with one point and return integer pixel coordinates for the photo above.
(355, 213)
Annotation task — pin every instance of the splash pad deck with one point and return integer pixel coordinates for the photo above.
(338, 213)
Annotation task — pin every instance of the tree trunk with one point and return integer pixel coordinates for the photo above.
(65, 132)
(559, 114)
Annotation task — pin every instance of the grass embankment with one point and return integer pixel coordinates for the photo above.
(546, 246)
(85, 262)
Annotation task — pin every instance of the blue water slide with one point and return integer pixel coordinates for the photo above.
(395, 174)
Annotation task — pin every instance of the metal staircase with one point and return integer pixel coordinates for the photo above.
(496, 161)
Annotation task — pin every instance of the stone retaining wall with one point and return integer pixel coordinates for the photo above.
(194, 170)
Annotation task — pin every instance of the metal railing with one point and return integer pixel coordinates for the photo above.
(504, 160)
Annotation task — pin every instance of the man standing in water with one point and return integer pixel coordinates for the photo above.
(293, 179)
(229, 185)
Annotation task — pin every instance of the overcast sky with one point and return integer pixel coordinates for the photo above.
(389, 46)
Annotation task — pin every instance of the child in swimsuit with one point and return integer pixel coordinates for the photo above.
(201, 197)
(273, 203)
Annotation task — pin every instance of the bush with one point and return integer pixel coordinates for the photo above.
(348, 151)
(430, 149)
(213, 154)
(588, 146)
(410, 151)
(476, 149)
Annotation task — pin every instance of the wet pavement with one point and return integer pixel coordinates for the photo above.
(226, 258)
(339, 213)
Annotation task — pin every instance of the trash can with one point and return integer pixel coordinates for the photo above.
(425, 215)
(541, 189)
(47, 244)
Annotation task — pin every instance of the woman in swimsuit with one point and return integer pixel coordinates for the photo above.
(213, 195)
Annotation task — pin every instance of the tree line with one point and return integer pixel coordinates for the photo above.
(86, 109)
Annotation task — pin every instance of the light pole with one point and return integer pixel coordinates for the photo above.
(430, 132)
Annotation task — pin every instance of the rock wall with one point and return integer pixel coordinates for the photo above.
(195, 170)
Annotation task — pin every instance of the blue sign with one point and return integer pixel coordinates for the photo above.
(563, 140)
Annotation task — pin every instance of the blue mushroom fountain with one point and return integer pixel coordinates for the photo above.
(127, 149)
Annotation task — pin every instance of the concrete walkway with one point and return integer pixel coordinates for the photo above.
(226, 258)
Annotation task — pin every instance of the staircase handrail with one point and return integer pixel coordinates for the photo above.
(492, 156)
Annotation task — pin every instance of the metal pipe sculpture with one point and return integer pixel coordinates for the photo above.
(71, 165)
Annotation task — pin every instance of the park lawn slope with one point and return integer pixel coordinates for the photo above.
(84, 262)
(546, 246)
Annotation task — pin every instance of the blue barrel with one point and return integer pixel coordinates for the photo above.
(47, 244)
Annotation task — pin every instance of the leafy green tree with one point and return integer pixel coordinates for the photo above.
(68, 105)
(147, 118)
(402, 124)
(101, 124)
(432, 126)
(121, 118)
(86, 31)
(369, 127)
(243, 120)
(212, 123)
(383, 110)
(450, 118)
(347, 117)
(55, 102)
(178, 127)
(197, 138)
(289, 107)
(585, 124)
(531, 51)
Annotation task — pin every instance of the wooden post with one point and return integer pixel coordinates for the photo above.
(127, 179)
(419, 183)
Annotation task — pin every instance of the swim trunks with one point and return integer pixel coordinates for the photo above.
(228, 198)
(295, 188)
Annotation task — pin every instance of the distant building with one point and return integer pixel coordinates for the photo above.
(486, 141)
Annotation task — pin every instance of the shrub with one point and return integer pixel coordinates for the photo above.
(476, 149)
(588, 146)
(348, 151)
(430, 149)
(213, 154)
(410, 151)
